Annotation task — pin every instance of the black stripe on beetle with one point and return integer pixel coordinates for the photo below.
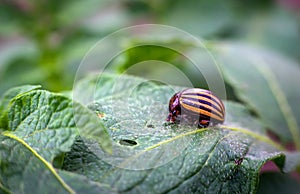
(205, 94)
(196, 106)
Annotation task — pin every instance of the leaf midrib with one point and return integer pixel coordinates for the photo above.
(256, 136)
(281, 100)
(47, 164)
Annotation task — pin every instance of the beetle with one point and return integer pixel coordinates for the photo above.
(196, 106)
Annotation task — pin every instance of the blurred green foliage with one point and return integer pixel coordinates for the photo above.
(43, 42)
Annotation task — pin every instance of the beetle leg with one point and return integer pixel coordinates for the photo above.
(203, 123)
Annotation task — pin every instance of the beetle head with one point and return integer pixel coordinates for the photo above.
(174, 108)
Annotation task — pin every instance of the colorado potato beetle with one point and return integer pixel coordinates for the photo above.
(196, 106)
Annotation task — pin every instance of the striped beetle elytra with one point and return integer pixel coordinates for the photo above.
(196, 106)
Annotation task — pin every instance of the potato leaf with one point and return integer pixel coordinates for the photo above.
(268, 83)
(151, 156)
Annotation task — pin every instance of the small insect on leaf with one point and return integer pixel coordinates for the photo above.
(196, 106)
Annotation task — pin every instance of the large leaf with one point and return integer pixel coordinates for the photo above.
(49, 122)
(151, 156)
(276, 29)
(23, 170)
(268, 83)
(19, 161)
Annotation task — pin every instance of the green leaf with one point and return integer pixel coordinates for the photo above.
(239, 116)
(43, 120)
(292, 161)
(204, 17)
(276, 29)
(104, 85)
(8, 96)
(50, 122)
(275, 183)
(150, 57)
(210, 163)
(13, 92)
(83, 185)
(151, 156)
(4, 190)
(268, 83)
(89, 126)
(23, 170)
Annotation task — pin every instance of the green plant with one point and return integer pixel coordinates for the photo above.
(38, 128)
(118, 140)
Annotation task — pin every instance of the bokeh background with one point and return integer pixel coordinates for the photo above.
(43, 41)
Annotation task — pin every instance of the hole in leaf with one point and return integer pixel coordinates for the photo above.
(127, 142)
(150, 126)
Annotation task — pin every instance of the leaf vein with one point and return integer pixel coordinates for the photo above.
(46, 163)
(283, 104)
(200, 167)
